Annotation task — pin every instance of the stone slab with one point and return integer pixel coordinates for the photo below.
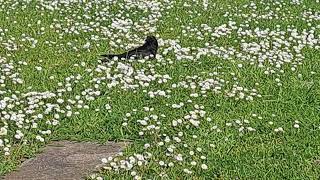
(65, 160)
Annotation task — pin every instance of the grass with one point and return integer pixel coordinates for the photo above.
(262, 154)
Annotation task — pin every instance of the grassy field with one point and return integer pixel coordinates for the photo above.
(233, 94)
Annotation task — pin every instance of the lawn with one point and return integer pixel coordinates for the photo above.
(234, 92)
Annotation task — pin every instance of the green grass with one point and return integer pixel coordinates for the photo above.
(262, 154)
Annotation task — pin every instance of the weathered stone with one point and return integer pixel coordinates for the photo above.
(65, 160)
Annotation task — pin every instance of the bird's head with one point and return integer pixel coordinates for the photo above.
(151, 39)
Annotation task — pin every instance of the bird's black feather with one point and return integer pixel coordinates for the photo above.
(148, 49)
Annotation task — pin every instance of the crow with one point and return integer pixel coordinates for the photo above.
(148, 49)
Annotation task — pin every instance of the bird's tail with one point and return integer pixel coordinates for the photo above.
(109, 56)
(112, 56)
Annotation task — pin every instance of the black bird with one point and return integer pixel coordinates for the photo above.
(148, 49)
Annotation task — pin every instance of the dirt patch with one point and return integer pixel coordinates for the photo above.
(65, 160)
